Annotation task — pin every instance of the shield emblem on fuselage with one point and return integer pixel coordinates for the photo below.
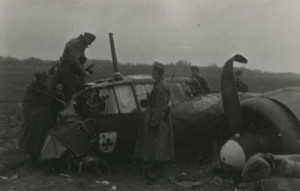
(107, 142)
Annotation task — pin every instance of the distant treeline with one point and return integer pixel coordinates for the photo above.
(16, 74)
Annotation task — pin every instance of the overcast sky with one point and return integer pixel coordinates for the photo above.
(203, 32)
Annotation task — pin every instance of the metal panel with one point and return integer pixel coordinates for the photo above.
(287, 127)
(290, 97)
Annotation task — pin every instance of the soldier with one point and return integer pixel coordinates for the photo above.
(240, 85)
(71, 71)
(197, 83)
(40, 109)
(155, 143)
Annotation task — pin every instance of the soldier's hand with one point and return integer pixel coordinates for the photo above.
(59, 86)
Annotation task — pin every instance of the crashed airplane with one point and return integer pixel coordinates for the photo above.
(106, 115)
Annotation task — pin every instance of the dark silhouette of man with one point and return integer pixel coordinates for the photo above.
(240, 85)
(71, 71)
(155, 144)
(197, 83)
(40, 108)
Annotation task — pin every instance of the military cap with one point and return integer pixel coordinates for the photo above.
(159, 67)
(89, 36)
(41, 75)
(195, 68)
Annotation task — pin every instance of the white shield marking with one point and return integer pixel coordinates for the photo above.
(107, 142)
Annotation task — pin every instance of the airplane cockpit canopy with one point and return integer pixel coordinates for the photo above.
(124, 96)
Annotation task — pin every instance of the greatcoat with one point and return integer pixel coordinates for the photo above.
(155, 138)
(71, 71)
(39, 116)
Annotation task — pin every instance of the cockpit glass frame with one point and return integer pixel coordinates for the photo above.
(125, 98)
(179, 91)
(141, 91)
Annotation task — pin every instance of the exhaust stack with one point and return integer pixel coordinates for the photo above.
(117, 75)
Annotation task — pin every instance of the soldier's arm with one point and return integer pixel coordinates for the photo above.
(160, 106)
(193, 85)
(205, 86)
(74, 55)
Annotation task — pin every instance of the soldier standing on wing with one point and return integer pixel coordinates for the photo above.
(155, 144)
(71, 71)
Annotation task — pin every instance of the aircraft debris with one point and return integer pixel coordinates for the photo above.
(185, 183)
(265, 165)
(14, 177)
(66, 175)
(4, 177)
(105, 182)
(113, 188)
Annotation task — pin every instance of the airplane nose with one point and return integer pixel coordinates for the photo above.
(233, 155)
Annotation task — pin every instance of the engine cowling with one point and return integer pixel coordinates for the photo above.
(266, 123)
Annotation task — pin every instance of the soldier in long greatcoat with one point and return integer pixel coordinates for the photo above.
(40, 109)
(155, 142)
(71, 71)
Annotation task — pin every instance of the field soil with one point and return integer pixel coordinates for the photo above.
(182, 174)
